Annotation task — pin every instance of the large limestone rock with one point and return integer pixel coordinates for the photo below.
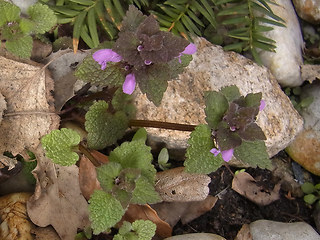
(308, 10)
(212, 69)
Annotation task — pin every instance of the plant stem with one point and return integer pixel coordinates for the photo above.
(86, 152)
(164, 125)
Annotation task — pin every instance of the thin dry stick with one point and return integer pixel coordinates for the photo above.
(159, 124)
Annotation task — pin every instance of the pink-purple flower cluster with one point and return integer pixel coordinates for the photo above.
(104, 56)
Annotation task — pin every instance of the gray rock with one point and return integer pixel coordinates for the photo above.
(308, 10)
(196, 236)
(270, 230)
(305, 149)
(211, 69)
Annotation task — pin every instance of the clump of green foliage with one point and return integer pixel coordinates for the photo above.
(298, 101)
(230, 126)
(16, 31)
(129, 177)
(312, 193)
(138, 230)
(242, 21)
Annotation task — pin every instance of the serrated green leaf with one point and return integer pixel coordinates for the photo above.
(216, 106)
(9, 12)
(26, 25)
(20, 47)
(107, 174)
(145, 192)
(132, 20)
(253, 99)
(135, 154)
(154, 81)
(59, 145)
(124, 102)
(308, 188)
(104, 211)
(43, 17)
(103, 128)
(90, 71)
(125, 228)
(140, 135)
(253, 153)
(200, 144)
(145, 229)
(231, 92)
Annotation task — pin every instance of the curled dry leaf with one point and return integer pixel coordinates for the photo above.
(177, 185)
(30, 111)
(172, 212)
(244, 184)
(14, 219)
(87, 177)
(57, 199)
(145, 212)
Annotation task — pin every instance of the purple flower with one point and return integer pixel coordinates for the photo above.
(129, 84)
(262, 105)
(226, 155)
(190, 49)
(215, 151)
(104, 56)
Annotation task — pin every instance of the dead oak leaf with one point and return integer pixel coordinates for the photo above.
(57, 199)
(244, 184)
(30, 110)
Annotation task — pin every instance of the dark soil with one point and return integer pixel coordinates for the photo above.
(233, 210)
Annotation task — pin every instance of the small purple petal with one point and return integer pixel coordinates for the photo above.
(139, 48)
(129, 84)
(227, 154)
(103, 56)
(215, 151)
(262, 105)
(190, 49)
(232, 128)
(147, 62)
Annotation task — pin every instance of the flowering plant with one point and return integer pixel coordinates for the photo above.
(231, 131)
(144, 55)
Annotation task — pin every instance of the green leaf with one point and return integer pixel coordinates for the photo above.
(307, 188)
(90, 71)
(135, 154)
(83, 2)
(59, 145)
(43, 17)
(216, 106)
(145, 229)
(9, 12)
(65, 11)
(26, 25)
(104, 128)
(310, 199)
(163, 159)
(78, 25)
(145, 192)
(107, 174)
(140, 135)
(124, 102)
(253, 99)
(200, 144)
(109, 28)
(231, 92)
(253, 153)
(104, 211)
(20, 47)
(154, 81)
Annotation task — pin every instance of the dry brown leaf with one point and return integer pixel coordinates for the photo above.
(46, 233)
(244, 184)
(172, 212)
(145, 212)
(87, 177)
(30, 111)
(177, 185)
(13, 217)
(7, 162)
(57, 199)
(310, 72)
(244, 233)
